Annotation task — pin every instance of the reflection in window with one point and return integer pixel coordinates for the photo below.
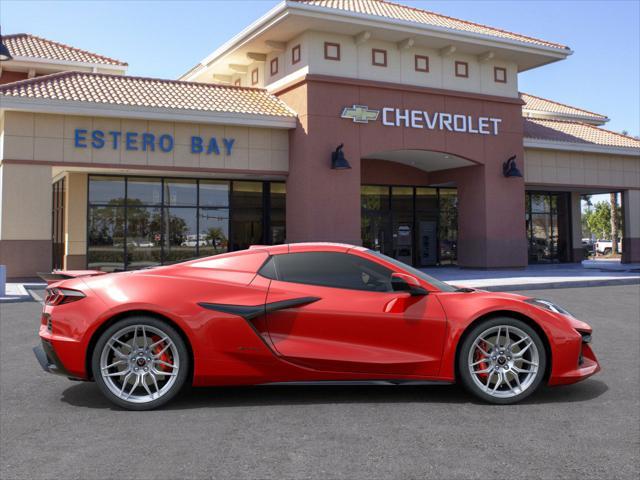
(214, 231)
(180, 193)
(173, 219)
(144, 191)
(106, 238)
(144, 236)
(180, 234)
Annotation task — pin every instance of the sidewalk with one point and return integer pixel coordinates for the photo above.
(535, 277)
(21, 292)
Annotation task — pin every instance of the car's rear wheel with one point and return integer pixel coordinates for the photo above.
(140, 363)
(502, 360)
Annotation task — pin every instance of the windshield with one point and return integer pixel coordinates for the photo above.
(445, 287)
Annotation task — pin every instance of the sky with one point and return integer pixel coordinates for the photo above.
(166, 38)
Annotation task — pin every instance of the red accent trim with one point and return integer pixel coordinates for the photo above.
(462, 73)
(273, 66)
(500, 74)
(417, 59)
(326, 51)
(375, 51)
(193, 170)
(295, 55)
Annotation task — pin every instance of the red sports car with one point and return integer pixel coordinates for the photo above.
(302, 313)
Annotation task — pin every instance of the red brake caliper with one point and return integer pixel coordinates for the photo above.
(165, 355)
(478, 355)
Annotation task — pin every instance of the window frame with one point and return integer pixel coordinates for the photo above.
(418, 58)
(274, 71)
(495, 74)
(296, 55)
(255, 77)
(375, 51)
(465, 65)
(326, 51)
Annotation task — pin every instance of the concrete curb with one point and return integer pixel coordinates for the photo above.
(553, 285)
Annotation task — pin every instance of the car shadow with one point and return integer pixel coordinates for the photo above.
(87, 395)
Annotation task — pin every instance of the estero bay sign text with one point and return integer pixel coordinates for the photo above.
(134, 141)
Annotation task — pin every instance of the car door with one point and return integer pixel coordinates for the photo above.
(351, 320)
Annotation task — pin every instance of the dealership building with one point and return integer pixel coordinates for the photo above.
(364, 122)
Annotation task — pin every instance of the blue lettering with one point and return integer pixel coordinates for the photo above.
(148, 141)
(98, 139)
(80, 137)
(213, 146)
(165, 143)
(228, 144)
(196, 144)
(115, 136)
(131, 140)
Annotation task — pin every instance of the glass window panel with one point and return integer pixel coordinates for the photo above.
(402, 228)
(540, 245)
(247, 194)
(214, 193)
(180, 234)
(106, 190)
(105, 246)
(374, 197)
(277, 233)
(144, 191)
(214, 231)
(180, 193)
(539, 203)
(448, 226)
(144, 236)
(426, 199)
(246, 227)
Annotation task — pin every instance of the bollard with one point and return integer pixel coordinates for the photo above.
(3, 280)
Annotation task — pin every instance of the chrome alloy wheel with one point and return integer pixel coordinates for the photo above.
(503, 361)
(139, 363)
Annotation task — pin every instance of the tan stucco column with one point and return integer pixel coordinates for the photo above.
(25, 219)
(576, 228)
(75, 222)
(631, 240)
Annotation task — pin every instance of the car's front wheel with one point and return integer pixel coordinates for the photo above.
(140, 363)
(502, 360)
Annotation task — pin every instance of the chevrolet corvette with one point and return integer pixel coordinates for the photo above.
(309, 312)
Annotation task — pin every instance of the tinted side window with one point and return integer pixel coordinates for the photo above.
(268, 270)
(332, 269)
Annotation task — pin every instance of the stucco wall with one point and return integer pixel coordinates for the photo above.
(50, 138)
(551, 167)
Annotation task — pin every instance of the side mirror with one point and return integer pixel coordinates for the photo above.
(401, 282)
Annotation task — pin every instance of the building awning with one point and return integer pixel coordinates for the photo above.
(99, 94)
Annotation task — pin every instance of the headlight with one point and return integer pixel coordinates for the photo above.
(547, 305)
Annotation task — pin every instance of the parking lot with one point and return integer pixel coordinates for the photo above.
(53, 428)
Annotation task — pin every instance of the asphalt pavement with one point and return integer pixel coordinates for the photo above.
(53, 428)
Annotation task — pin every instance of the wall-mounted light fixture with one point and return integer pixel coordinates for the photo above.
(338, 162)
(4, 51)
(510, 169)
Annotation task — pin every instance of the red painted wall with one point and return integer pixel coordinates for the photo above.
(324, 204)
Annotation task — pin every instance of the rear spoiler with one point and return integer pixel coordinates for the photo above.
(59, 275)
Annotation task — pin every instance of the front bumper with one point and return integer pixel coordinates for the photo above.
(587, 366)
(49, 361)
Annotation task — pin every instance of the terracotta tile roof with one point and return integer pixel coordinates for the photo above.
(544, 105)
(395, 11)
(576, 132)
(148, 92)
(27, 45)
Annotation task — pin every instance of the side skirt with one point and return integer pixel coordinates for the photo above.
(363, 382)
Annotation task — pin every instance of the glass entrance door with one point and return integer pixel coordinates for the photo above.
(57, 225)
(548, 226)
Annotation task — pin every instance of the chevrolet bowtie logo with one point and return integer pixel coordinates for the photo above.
(360, 114)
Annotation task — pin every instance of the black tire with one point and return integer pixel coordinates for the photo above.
(465, 376)
(147, 321)
(607, 251)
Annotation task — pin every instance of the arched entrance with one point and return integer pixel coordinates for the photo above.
(406, 213)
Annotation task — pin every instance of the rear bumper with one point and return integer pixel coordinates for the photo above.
(49, 361)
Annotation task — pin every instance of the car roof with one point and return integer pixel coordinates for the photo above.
(304, 247)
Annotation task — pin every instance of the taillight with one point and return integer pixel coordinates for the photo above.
(59, 296)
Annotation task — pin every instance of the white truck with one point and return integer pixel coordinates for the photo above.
(605, 247)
